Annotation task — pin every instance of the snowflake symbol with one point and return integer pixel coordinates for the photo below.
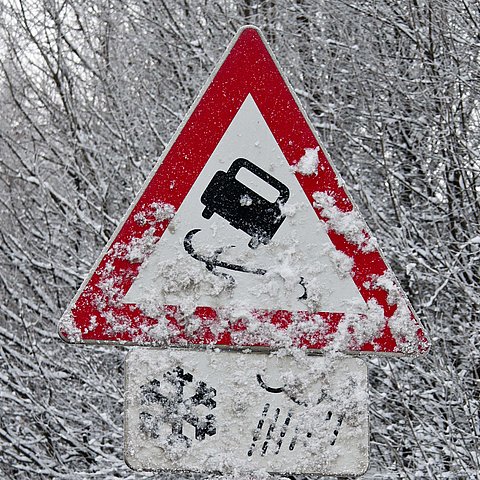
(176, 409)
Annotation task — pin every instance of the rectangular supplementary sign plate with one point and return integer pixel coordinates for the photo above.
(219, 411)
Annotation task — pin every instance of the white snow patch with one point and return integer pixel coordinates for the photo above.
(161, 331)
(348, 224)
(187, 281)
(401, 327)
(69, 329)
(141, 248)
(388, 283)
(342, 262)
(158, 210)
(245, 201)
(355, 330)
(308, 164)
(162, 211)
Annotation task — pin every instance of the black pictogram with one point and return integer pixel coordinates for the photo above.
(175, 409)
(273, 425)
(243, 208)
(246, 210)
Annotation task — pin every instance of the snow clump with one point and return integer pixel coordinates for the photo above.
(308, 164)
(348, 224)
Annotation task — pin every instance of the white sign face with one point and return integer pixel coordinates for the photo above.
(209, 256)
(219, 411)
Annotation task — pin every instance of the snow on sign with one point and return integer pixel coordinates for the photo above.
(225, 411)
(244, 236)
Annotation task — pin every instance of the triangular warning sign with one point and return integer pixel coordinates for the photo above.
(243, 236)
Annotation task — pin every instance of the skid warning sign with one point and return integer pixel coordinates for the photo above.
(244, 236)
(219, 411)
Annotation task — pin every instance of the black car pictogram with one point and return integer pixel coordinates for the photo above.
(243, 208)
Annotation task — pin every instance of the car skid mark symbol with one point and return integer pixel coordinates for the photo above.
(212, 262)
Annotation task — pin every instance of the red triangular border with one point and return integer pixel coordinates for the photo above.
(248, 67)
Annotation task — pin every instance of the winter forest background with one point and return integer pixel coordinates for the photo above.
(91, 91)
